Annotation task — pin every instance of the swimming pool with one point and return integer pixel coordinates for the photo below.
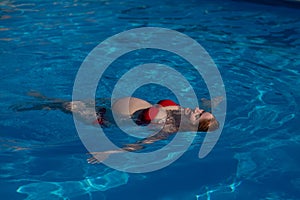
(255, 46)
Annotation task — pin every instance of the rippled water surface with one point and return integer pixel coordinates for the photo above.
(255, 46)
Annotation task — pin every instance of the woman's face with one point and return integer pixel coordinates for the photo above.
(196, 115)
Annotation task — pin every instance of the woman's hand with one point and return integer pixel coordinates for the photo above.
(208, 104)
(98, 157)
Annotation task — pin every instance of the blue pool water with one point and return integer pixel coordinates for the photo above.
(255, 46)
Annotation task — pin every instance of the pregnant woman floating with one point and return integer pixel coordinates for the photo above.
(167, 114)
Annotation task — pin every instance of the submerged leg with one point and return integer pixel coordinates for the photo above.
(45, 103)
(40, 96)
(41, 106)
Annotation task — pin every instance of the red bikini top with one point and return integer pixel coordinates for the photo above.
(149, 114)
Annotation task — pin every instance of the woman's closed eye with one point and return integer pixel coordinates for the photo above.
(199, 115)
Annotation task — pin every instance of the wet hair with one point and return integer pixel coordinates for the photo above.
(207, 125)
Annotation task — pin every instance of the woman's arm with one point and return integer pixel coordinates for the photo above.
(208, 104)
(98, 157)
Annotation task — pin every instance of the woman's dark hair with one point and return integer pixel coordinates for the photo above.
(207, 125)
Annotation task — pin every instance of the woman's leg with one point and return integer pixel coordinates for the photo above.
(44, 103)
